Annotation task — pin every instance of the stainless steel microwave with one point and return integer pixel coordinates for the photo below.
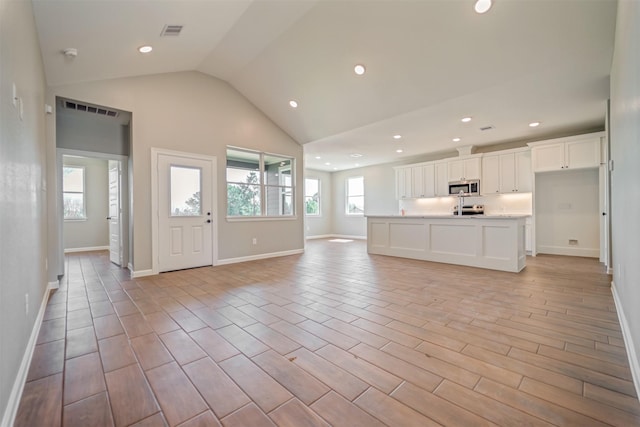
(470, 187)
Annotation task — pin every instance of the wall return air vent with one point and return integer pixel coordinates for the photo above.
(89, 109)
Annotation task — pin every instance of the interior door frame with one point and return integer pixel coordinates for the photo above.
(125, 207)
(155, 222)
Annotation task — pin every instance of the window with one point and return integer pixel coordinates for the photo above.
(185, 191)
(73, 193)
(355, 196)
(259, 184)
(312, 196)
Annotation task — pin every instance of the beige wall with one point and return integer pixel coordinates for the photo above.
(94, 231)
(625, 192)
(22, 191)
(321, 225)
(192, 112)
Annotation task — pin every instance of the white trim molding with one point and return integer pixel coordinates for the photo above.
(18, 385)
(634, 362)
(141, 273)
(87, 249)
(260, 256)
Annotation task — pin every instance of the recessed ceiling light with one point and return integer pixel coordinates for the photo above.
(355, 155)
(534, 124)
(456, 140)
(359, 69)
(145, 49)
(399, 150)
(357, 164)
(293, 104)
(328, 164)
(335, 169)
(397, 136)
(466, 119)
(318, 157)
(482, 6)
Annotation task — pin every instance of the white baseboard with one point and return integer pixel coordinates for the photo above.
(346, 236)
(18, 385)
(141, 273)
(260, 256)
(570, 251)
(53, 285)
(319, 236)
(87, 249)
(634, 362)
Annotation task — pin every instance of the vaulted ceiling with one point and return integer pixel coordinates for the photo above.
(428, 64)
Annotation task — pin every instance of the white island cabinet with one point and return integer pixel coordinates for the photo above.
(493, 242)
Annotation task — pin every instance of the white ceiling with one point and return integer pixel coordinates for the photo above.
(429, 63)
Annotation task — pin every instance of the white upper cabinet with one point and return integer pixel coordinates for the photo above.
(404, 183)
(506, 173)
(490, 182)
(579, 153)
(428, 180)
(441, 179)
(463, 169)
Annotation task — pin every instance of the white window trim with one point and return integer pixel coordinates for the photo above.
(346, 198)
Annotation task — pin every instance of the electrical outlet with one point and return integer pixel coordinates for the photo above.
(255, 241)
(26, 304)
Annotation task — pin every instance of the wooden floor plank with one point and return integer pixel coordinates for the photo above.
(412, 342)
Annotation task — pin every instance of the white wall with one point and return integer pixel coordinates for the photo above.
(94, 231)
(90, 132)
(321, 225)
(379, 198)
(193, 112)
(23, 192)
(568, 207)
(625, 192)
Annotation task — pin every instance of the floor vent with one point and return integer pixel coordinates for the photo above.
(90, 109)
(171, 30)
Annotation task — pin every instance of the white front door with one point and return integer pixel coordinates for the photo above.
(115, 250)
(185, 216)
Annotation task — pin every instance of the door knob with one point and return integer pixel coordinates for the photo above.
(208, 221)
(108, 217)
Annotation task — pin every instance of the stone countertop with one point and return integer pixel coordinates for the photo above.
(451, 216)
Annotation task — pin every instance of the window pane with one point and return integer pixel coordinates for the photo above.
(278, 201)
(356, 205)
(73, 205)
(185, 191)
(277, 170)
(356, 186)
(243, 200)
(243, 167)
(73, 179)
(312, 196)
(355, 195)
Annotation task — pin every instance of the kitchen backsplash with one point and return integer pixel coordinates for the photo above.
(493, 204)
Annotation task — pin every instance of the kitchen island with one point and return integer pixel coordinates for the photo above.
(496, 242)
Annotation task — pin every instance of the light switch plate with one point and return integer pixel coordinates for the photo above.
(14, 100)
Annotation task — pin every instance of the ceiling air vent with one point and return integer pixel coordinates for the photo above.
(89, 109)
(487, 128)
(171, 30)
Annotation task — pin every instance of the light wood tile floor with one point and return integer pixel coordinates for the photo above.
(331, 337)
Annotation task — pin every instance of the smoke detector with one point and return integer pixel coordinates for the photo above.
(70, 52)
